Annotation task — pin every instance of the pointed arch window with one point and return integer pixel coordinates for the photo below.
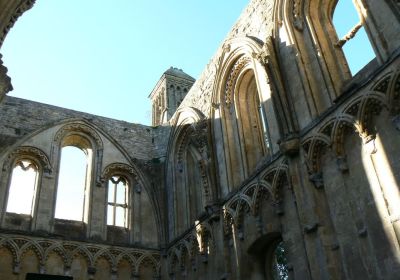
(353, 39)
(22, 189)
(252, 120)
(117, 202)
(73, 183)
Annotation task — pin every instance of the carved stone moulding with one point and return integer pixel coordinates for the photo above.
(5, 81)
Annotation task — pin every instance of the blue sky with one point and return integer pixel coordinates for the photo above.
(105, 57)
(358, 50)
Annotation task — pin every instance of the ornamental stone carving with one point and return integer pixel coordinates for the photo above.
(30, 152)
(79, 127)
(5, 81)
(239, 65)
(20, 9)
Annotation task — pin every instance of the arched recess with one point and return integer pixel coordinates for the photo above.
(245, 128)
(42, 164)
(142, 222)
(360, 168)
(84, 137)
(189, 170)
(270, 257)
(305, 27)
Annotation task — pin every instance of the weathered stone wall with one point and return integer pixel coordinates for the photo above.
(36, 131)
(22, 118)
(323, 191)
(224, 189)
(20, 255)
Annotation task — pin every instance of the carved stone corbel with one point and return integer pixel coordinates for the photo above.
(317, 179)
(138, 187)
(363, 232)
(369, 144)
(259, 225)
(290, 146)
(240, 233)
(279, 208)
(310, 228)
(342, 165)
(91, 272)
(16, 268)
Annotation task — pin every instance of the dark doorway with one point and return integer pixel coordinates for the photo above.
(35, 276)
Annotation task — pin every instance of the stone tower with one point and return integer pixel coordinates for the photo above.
(168, 94)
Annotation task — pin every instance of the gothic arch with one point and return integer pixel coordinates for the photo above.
(239, 112)
(357, 115)
(85, 253)
(13, 248)
(104, 253)
(263, 191)
(38, 158)
(173, 261)
(58, 249)
(306, 26)
(125, 256)
(36, 248)
(189, 171)
(148, 260)
(83, 136)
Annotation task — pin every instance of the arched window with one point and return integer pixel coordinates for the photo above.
(353, 39)
(22, 187)
(276, 262)
(253, 126)
(193, 183)
(74, 178)
(117, 202)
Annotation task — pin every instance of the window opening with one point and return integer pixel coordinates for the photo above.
(117, 202)
(278, 263)
(22, 187)
(264, 124)
(354, 40)
(71, 184)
